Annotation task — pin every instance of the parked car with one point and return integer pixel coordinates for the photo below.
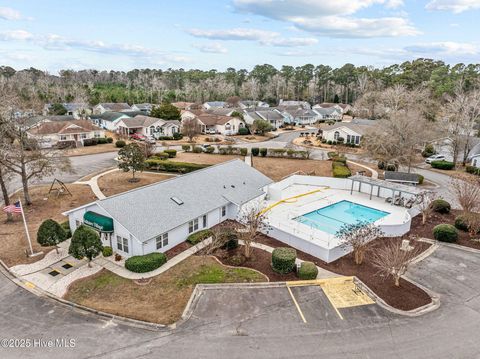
(435, 158)
(210, 131)
(151, 140)
(138, 137)
(205, 146)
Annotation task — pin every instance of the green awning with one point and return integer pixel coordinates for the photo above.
(97, 221)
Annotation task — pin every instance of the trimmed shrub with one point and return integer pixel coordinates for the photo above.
(283, 259)
(243, 131)
(445, 233)
(307, 270)
(107, 251)
(102, 140)
(441, 206)
(162, 155)
(332, 154)
(109, 140)
(420, 179)
(263, 152)
(186, 148)
(177, 136)
(90, 142)
(120, 144)
(197, 149)
(66, 227)
(429, 150)
(171, 153)
(243, 151)
(210, 149)
(341, 159)
(199, 236)
(461, 223)
(85, 243)
(443, 165)
(170, 166)
(50, 233)
(473, 170)
(237, 260)
(165, 138)
(145, 263)
(255, 151)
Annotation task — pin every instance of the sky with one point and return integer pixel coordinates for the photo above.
(217, 34)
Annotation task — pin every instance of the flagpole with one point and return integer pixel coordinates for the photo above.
(26, 228)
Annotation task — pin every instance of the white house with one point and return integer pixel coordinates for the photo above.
(77, 110)
(53, 133)
(212, 104)
(108, 106)
(147, 126)
(299, 115)
(109, 120)
(275, 117)
(157, 217)
(142, 107)
(474, 156)
(212, 123)
(301, 104)
(329, 113)
(342, 107)
(350, 132)
(245, 104)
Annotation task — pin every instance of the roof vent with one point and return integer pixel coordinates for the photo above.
(177, 200)
(233, 186)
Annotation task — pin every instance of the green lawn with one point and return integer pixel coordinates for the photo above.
(164, 298)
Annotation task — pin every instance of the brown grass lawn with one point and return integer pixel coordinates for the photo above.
(117, 182)
(203, 158)
(90, 150)
(278, 168)
(12, 235)
(164, 298)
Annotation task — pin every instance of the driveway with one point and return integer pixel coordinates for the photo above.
(265, 323)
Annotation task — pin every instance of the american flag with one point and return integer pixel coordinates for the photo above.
(13, 208)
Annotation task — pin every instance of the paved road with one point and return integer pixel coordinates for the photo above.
(264, 323)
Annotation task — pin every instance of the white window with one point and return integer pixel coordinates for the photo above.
(224, 211)
(63, 138)
(162, 240)
(193, 226)
(357, 140)
(83, 136)
(122, 244)
(336, 135)
(204, 220)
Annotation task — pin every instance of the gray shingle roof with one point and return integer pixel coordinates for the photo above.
(149, 211)
(401, 177)
(475, 151)
(109, 116)
(359, 126)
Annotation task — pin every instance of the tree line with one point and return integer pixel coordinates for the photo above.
(313, 83)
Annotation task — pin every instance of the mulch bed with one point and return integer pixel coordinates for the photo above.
(406, 297)
(179, 248)
(426, 231)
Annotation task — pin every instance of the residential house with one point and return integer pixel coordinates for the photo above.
(52, 133)
(474, 156)
(350, 132)
(147, 126)
(328, 113)
(109, 120)
(271, 115)
(76, 109)
(213, 104)
(111, 107)
(301, 104)
(34, 121)
(247, 104)
(145, 108)
(182, 105)
(343, 107)
(299, 115)
(220, 111)
(157, 217)
(213, 123)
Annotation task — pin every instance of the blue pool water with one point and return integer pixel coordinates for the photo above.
(331, 218)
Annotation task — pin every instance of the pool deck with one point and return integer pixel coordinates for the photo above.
(283, 215)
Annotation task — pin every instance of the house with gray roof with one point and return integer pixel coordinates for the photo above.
(272, 115)
(328, 113)
(111, 106)
(474, 156)
(299, 115)
(109, 120)
(157, 217)
(147, 126)
(350, 132)
(145, 108)
(214, 104)
(76, 109)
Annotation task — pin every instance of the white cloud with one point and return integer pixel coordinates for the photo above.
(269, 38)
(15, 35)
(332, 18)
(455, 6)
(212, 48)
(7, 13)
(446, 48)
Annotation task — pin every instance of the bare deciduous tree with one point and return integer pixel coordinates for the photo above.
(467, 192)
(4, 178)
(357, 236)
(191, 128)
(392, 260)
(253, 220)
(425, 206)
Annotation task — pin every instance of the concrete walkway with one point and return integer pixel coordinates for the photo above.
(125, 273)
(248, 160)
(374, 172)
(93, 183)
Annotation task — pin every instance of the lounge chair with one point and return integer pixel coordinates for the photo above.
(409, 203)
(388, 199)
(398, 201)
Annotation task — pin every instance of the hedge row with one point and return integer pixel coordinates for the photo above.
(158, 164)
(280, 152)
(145, 263)
(443, 165)
(473, 170)
(199, 236)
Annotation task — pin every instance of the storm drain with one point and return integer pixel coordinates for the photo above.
(67, 266)
(54, 273)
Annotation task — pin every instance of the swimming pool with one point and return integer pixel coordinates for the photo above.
(331, 218)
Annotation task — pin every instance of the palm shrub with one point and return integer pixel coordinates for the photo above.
(85, 243)
(283, 259)
(50, 233)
